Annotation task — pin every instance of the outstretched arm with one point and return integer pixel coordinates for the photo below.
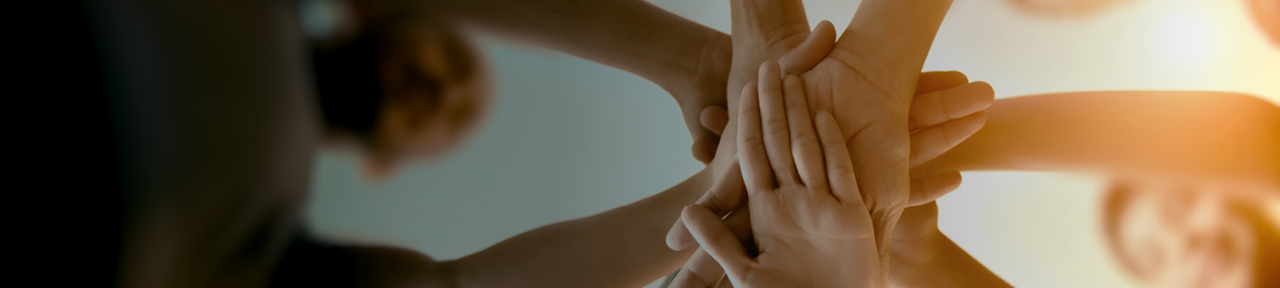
(622, 247)
(687, 59)
(1207, 135)
(1204, 135)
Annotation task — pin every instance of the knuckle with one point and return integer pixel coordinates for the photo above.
(805, 142)
(841, 170)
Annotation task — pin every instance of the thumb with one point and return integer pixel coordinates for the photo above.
(927, 189)
(811, 51)
(727, 195)
(716, 239)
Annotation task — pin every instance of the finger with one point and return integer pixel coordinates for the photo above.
(773, 119)
(805, 149)
(703, 271)
(811, 51)
(716, 240)
(941, 106)
(844, 186)
(928, 189)
(700, 272)
(724, 283)
(751, 150)
(934, 81)
(714, 118)
(728, 194)
(933, 141)
(704, 149)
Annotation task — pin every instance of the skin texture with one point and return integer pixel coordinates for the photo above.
(1158, 144)
(810, 226)
(946, 104)
(866, 81)
(924, 257)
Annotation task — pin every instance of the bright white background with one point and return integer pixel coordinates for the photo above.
(569, 138)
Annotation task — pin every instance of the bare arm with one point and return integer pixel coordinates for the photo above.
(949, 266)
(622, 247)
(686, 59)
(630, 35)
(924, 257)
(1207, 135)
(1211, 135)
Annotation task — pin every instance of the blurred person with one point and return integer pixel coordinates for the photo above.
(401, 80)
(216, 133)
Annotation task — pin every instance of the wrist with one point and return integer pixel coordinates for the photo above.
(913, 261)
(708, 74)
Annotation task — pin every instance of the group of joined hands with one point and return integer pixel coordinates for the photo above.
(813, 175)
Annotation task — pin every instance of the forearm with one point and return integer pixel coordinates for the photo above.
(631, 35)
(898, 32)
(946, 265)
(622, 247)
(1214, 135)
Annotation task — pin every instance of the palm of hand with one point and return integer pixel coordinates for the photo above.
(812, 237)
(872, 114)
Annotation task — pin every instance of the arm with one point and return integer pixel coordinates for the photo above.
(946, 266)
(686, 59)
(924, 257)
(622, 247)
(1214, 135)
(627, 34)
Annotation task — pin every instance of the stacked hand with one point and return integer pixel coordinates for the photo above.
(866, 81)
(945, 109)
(810, 225)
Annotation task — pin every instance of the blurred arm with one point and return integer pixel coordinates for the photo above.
(622, 247)
(1214, 135)
(631, 35)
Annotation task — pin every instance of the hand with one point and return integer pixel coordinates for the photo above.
(704, 93)
(866, 81)
(810, 225)
(915, 243)
(945, 104)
